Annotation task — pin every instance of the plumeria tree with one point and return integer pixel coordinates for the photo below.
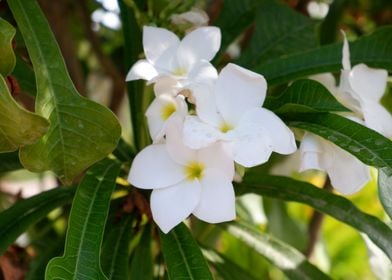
(234, 139)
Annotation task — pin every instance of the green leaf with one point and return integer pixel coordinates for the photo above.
(182, 255)
(374, 50)
(82, 132)
(227, 269)
(24, 74)
(336, 206)
(9, 162)
(7, 58)
(16, 219)
(81, 259)
(385, 189)
(18, 127)
(329, 27)
(279, 31)
(367, 145)
(308, 93)
(288, 259)
(115, 249)
(233, 19)
(141, 265)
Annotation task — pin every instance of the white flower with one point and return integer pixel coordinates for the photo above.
(186, 61)
(195, 17)
(347, 173)
(360, 89)
(185, 181)
(232, 113)
(166, 105)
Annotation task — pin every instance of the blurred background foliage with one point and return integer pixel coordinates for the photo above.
(89, 34)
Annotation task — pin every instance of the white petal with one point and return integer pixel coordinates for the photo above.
(153, 168)
(142, 69)
(377, 118)
(202, 72)
(237, 91)
(166, 85)
(347, 173)
(327, 80)
(282, 138)
(175, 144)
(170, 206)
(312, 151)
(346, 94)
(206, 109)
(368, 83)
(160, 46)
(198, 134)
(201, 44)
(217, 201)
(345, 53)
(157, 113)
(217, 157)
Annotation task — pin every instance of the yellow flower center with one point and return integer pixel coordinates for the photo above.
(167, 110)
(225, 127)
(179, 71)
(194, 170)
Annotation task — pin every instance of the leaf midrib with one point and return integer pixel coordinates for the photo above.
(183, 255)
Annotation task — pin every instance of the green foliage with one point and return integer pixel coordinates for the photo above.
(385, 188)
(183, 256)
(81, 259)
(81, 132)
(9, 162)
(18, 127)
(18, 218)
(141, 265)
(7, 59)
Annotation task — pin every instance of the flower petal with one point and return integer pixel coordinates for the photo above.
(172, 205)
(160, 46)
(202, 72)
(368, 83)
(283, 141)
(153, 168)
(142, 69)
(347, 173)
(166, 85)
(217, 157)
(198, 134)
(327, 80)
(237, 91)
(201, 44)
(345, 53)
(311, 150)
(175, 145)
(206, 105)
(217, 200)
(377, 118)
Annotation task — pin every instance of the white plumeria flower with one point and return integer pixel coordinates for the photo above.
(185, 181)
(186, 61)
(347, 173)
(232, 113)
(360, 89)
(195, 17)
(166, 106)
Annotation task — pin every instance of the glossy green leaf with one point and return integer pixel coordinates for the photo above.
(7, 57)
(183, 256)
(329, 29)
(307, 93)
(115, 249)
(328, 203)
(227, 269)
(278, 31)
(286, 258)
(141, 265)
(16, 219)
(18, 127)
(374, 50)
(234, 18)
(9, 162)
(81, 259)
(81, 132)
(367, 145)
(385, 189)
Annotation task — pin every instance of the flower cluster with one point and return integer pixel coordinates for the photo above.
(201, 124)
(360, 90)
